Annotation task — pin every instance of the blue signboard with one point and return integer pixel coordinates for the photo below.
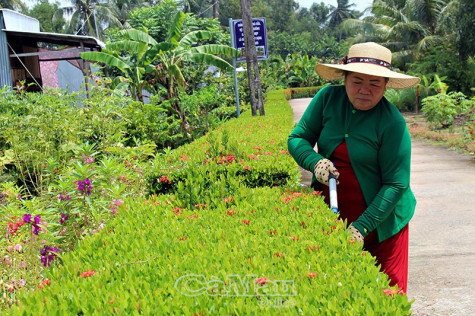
(260, 37)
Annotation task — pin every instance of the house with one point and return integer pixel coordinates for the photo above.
(41, 59)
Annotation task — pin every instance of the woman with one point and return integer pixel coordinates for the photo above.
(363, 140)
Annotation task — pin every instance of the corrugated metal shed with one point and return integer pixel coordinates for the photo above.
(14, 21)
(19, 49)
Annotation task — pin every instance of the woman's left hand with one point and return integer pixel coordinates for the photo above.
(355, 234)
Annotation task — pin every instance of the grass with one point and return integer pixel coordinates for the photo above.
(457, 137)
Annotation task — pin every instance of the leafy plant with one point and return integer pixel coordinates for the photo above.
(442, 109)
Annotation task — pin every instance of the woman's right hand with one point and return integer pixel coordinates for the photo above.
(322, 171)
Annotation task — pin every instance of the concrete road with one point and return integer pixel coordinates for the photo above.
(442, 232)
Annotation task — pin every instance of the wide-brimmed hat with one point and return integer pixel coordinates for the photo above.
(370, 59)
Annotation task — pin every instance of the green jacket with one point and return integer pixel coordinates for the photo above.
(379, 147)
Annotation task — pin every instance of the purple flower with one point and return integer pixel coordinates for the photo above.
(86, 184)
(62, 198)
(37, 219)
(64, 218)
(36, 229)
(80, 185)
(48, 254)
(27, 218)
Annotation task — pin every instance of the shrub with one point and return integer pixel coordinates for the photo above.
(262, 251)
(220, 244)
(442, 109)
(404, 100)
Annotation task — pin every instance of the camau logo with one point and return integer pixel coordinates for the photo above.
(234, 285)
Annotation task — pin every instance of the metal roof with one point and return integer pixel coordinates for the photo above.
(15, 21)
(57, 38)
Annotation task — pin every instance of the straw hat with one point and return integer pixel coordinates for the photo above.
(370, 59)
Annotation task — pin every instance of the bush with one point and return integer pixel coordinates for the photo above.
(242, 246)
(404, 100)
(442, 109)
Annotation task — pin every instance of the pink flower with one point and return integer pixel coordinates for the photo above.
(18, 247)
(88, 160)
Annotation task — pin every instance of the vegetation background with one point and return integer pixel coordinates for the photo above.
(158, 127)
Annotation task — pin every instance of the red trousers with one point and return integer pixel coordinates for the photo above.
(392, 253)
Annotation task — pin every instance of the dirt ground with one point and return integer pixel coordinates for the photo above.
(442, 231)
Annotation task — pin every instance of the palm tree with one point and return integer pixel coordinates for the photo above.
(16, 5)
(339, 14)
(122, 8)
(408, 28)
(91, 17)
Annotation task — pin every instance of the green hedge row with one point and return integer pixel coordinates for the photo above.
(220, 240)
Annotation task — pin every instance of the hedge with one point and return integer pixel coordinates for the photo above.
(227, 230)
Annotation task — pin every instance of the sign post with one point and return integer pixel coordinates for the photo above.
(237, 42)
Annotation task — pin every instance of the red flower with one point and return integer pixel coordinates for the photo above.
(273, 232)
(392, 292)
(294, 238)
(231, 212)
(312, 274)
(262, 281)
(246, 221)
(247, 168)
(164, 179)
(228, 200)
(44, 283)
(87, 274)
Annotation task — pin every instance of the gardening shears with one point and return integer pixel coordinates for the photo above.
(333, 196)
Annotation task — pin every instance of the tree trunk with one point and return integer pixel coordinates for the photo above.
(251, 59)
(215, 9)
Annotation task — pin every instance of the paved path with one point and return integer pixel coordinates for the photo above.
(442, 232)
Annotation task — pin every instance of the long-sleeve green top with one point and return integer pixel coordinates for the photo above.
(379, 147)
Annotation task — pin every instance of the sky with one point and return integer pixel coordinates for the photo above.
(360, 4)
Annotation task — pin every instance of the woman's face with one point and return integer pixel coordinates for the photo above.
(364, 91)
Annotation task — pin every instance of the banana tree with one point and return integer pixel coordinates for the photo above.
(133, 66)
(144, 57)
(177, 52)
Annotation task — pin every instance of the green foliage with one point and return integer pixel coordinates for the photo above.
(442, 61)
(49, 15)
(404, 99)
(442, 109)
(321, 46)
(158, 19)
(241, 249)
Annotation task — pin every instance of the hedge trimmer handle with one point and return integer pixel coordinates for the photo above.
(333, 196)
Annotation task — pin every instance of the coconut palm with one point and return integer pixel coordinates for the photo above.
(340, 14)
(91, 17)
(407, 27)
(16, 5)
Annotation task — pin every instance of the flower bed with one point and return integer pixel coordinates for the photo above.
(226, 230)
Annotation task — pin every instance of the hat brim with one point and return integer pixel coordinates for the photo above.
(396, 80)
